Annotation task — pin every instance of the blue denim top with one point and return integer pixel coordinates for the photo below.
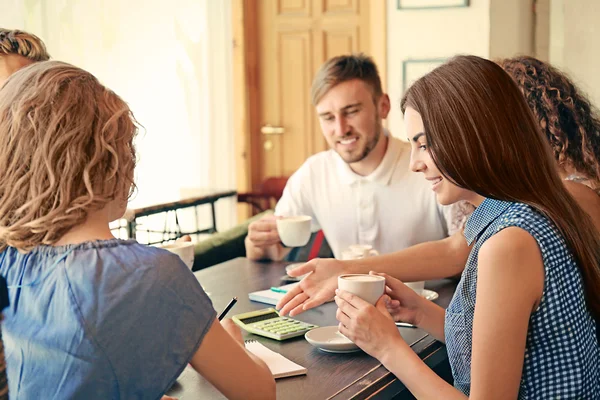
(100, 320)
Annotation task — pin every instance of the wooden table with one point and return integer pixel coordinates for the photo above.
(190, 199)
(330, 376)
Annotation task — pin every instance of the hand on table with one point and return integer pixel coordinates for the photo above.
(370, 327)
(315, 289)
(263, 233)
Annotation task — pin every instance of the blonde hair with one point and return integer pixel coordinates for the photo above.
(346, 68)
(23, 44)
(66, 149)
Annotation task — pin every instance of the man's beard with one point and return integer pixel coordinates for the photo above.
(369, 146)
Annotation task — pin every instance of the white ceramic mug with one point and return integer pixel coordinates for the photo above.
(418, 287)
(368, 287)
(363, 250)
(185, 251)
(294, 231)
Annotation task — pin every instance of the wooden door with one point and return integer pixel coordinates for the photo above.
(282, 44)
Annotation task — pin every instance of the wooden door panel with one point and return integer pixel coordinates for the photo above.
(296, 37)
(293, 7)
(337, 41)
(340, 5)
(295, 50)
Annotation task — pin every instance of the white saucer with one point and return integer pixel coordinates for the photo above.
(429, 294)
(328, 339)
(340, 351)
(292, 266)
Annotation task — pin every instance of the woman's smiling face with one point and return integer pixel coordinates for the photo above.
(421, 161)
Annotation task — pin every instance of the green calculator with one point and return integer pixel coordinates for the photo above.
(269, 323)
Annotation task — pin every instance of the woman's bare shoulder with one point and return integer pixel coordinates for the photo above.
(587, 199)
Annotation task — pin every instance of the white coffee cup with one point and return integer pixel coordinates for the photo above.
(363, 250)
(349, 255)
(294, 231)
(418, 287)
(185, 251)
(368, 287)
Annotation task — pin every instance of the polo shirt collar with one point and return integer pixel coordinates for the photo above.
(488, 211)
(382, 175)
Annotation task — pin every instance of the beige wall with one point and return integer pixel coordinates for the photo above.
(575, 41)
(487, 28)
(542, 30)
(511, 28)
(435, 33)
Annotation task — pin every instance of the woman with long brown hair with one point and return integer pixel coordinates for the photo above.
(521, 323)
(572, 127)
(570, 123)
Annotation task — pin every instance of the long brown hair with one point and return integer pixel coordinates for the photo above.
(483, 137)
(567, 118)
(66, 148)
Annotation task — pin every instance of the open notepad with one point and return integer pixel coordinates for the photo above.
(270, 297)
(280, 366)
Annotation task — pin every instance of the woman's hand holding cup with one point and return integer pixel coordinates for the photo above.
(404, 303)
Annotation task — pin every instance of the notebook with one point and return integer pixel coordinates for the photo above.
(280, 366)
(270, 297)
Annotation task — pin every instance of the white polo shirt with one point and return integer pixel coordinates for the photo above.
(390, 209)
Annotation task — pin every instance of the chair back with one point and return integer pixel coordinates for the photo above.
(265, 197)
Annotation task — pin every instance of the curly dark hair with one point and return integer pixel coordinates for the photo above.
(566, 116)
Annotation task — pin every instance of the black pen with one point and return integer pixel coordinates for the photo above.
(226, 310)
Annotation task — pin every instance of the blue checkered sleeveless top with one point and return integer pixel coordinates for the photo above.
(562, 355)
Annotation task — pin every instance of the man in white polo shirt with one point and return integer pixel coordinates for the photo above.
(361, 191)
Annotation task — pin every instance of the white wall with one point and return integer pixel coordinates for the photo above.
(171, 64)
(574, 42)
(435, 33)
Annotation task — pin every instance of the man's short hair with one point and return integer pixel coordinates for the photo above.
(22, 43)
(345, 68)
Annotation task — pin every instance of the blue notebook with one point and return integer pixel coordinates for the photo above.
(270, 297)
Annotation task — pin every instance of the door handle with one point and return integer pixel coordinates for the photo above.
(272, 130)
